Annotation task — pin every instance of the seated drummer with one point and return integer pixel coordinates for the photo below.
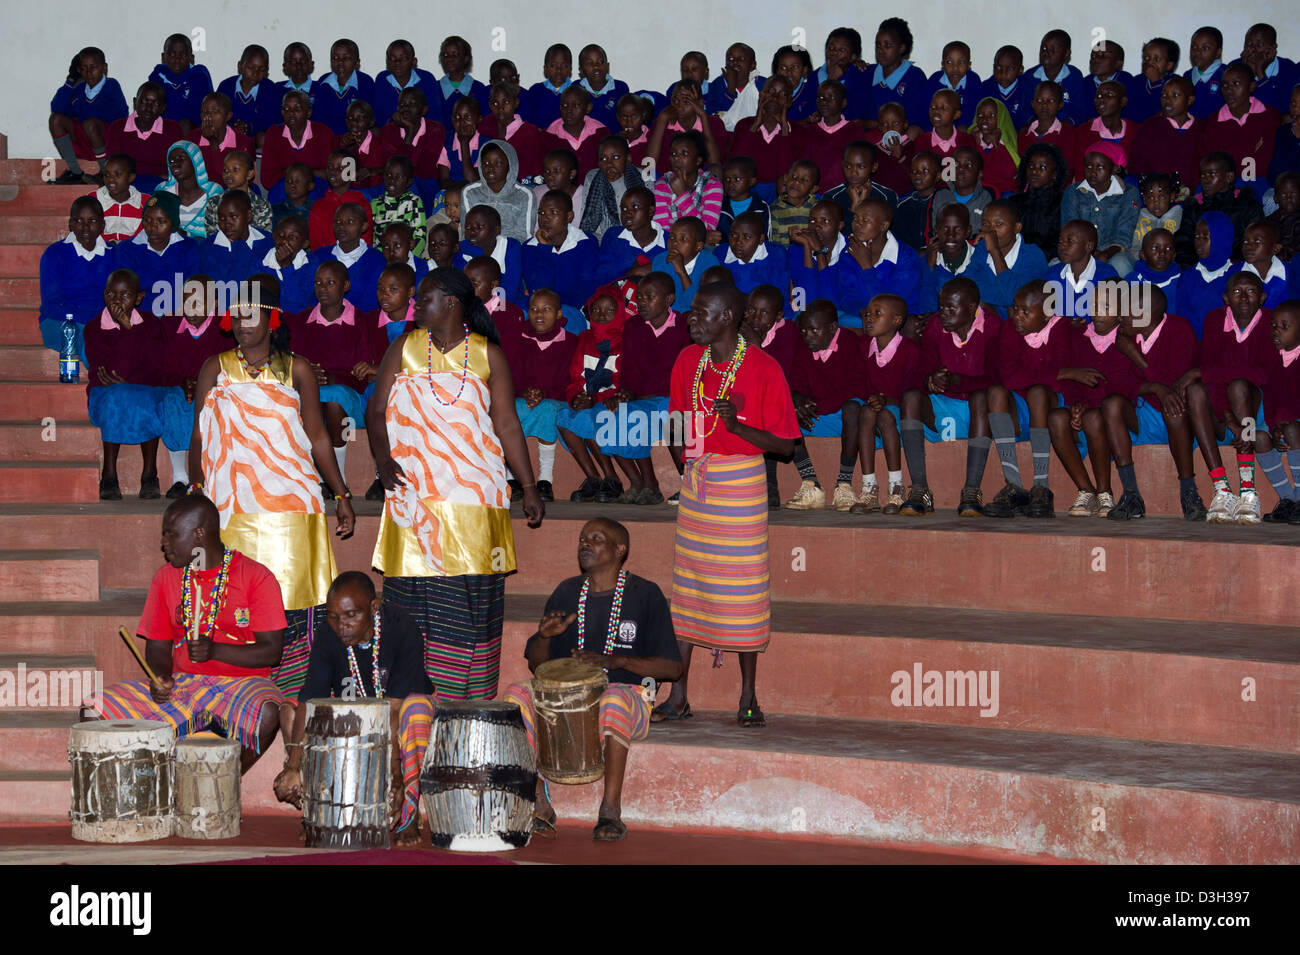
(638, 644)
(220, 681)
(358, 625)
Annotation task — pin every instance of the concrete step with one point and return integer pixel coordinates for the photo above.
(54, 574)
(33, 229)
(33, 441)
(20, 293)
(38, 795)
(43, 399)
(20, 261)
(36, 740)
(33, 172)
(40, 199)
(56, 480)
(18, 326)
(25, 363)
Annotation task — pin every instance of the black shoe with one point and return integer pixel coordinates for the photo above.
(68, 178)
(545, 491)
(919, 501)
(587, 492)
(1009, 502)
(972, 503)
(1282, 513)
(149, 489)
(1041, 501)
(109, 491)
(773, 496)
(674, 499)
(1193, 506)
(176, 491)
(1131, 507)
(516, 490)
(611, 489)
(376, 491)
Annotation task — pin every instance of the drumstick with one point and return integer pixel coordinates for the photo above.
(135, 652)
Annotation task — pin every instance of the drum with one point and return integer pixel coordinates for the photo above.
(346, 771)
(207, 788)
(121, 780)
(478, 783)
(566, 699)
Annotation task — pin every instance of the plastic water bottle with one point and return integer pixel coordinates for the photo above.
(69, 360)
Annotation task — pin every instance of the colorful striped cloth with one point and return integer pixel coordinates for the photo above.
(233, 704)
(291, 673)
(624, 711)
(721, 597)
(461, 619)
(414, 721)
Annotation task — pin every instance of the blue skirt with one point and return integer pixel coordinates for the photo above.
(350, 400)
(574, 321)
(631, 431)
(951, 419)
(581, 423)
(177, 419)
(126, 414)
(539, 422)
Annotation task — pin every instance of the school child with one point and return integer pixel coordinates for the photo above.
(1156, 265)
(634, 114)
(1286, 217)
(1237, 358)
(1043, 178)
(1011, 259)
(80, 114)
(1034, 349)
(560, 256)
(397, 248)
(685, 261)
(995, 138)
(844, 64)
(688, 189)
(815, 251)
(74, 272)
(1170, 355)
(895, 79)
(956, 75)
(401, 72)
(185, 82)
(297, 67)
(362, 262)
(959, 346)
(949, 254)
(892, 364)
(766, 328)
(237, 173)
(461, 143)
(483, 237)
(560, 174)
(1244, 128)
(738, 180)
(1159, 211)
(576, 129)
(944, 135)
(344, 84)
(341, 191)
(144, 135)
(1274, 76)
(769, 139)
(825, 141)
(365, 143)
(1106, 64)
(1008, 86)
(254, 98)
(1218, 193)
(123, 351)
(685, 113)
(456, 58)
(1286, 164)
(411, 133)
(629, 248)
(1100, 366)
(1109, 126)
(1206, 56)
(894, 148)
(859, 168)
(1259, 253)
(1105, 200)
(399, 202)
(297, 138)
(159, 254)
(289, 262)
(604, 90)
(966, 188)
(827, 384)
(795, 203)
(484, 273)
(298, 186)
(1159, 61)
(1071, 92)
(873, 261)
(751, 260)
(498, 186)
(912, 218)
(236, 250)
(395, 294)
(122, 202)
(1049, 125)
(1281, 411)
(216, 133)
(544, 97)
(604, 188)
(734, 94)
(449, 199)
(1075, 280)
(443, 242)
(504, 122)
(795, 67)
(595, 384)
(1202, 287)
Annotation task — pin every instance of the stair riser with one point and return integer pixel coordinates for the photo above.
(34, 173)
(55, 579)
(78, 485)
(36, 443)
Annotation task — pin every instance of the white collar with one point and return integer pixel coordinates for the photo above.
(101, 247)
(1116, 188)
(890, 252)
(1089, 271)
(1217, 273)
(966, 259)
(1276, 270)
(760, 253)
(1011, 256)
(840, 245)
(656, 243)
(221, 240)
(498, 252)
(142, 239)
(571, 239)
(271, 262)
(350, 258)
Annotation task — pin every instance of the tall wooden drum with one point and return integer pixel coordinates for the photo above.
(566, 699)
(347, 767)
(121, 780)
(207, 788)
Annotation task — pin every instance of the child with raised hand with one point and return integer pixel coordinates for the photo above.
(366, 143)
(825, 139)
(456, 57)
(944, 136)
(122, 202)
(794, 205)
(995, 138)
(1282, 411)
(859, 168)
(604, 90)
(949, 254)
(1218, 193)
(254, 97)
(827, 385)
(237, 174)
(751, 259)
(1274, 76)
(894, 148)
(1048, 124)
(684, 113)
(1159, 211)
(913, 217)
(966, 187)
(1237, 358)
(1012, 261)
(605, 186)
(960, 348)
(412, 133)
(1260, 250)
(343, 85)
(1031, 355)
(124, 351)
(289, 262)
(1008, 86)
(1201, 288)
(1043, 177)
(1109, 126)
(342, 190)
(362, 261)
(399, 202)
(1075, 281)
(560, 256)
(298, 186)
(1159, 61)
(956, 75)
(576, 129)
(398, 248)
(686, 260)
(499, 187)
(74, 272)
(158, 252)
(235, 252)
(739, 177)
(557, 76)
(634, 115)
(895, 79)
(768, 139)
(483, 237)
(1205, 53)
(216, 133)
(1286, 217)
(893, 366)
(629, 248)
(1054, 68)
(298, 138)
(1169, 356)
(144, 135)
(815, 251)
(80, 114)
(733, 96)
(1105, 200)
(484, 272)
(401, 72)
(688, 189)
(504, 122)
(185, 81)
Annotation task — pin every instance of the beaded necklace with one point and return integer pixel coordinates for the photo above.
(464, 371)
(215, 599)
(615, 612)
(252, 373)
(728, 379)
(374, 663)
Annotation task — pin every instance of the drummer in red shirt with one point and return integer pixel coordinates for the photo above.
(221, 680)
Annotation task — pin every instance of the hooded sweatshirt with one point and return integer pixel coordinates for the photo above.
(515, 203)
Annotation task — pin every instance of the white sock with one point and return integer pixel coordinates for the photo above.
(341, 455)
(545, 461)
(869, 482)
(180, 466)
(896, 478)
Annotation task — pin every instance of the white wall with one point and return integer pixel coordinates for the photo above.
(643, 48)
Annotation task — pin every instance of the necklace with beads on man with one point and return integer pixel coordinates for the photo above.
(374, 665)
(615, 613)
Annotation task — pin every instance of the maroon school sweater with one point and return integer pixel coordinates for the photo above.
(1255, 138)
(336, 348)
(771, 160)
(902, 372)
(1282, 393)
(1175, 351)
(827, 150)
(423, 154)
(135, 353)
(184, 353)
(510, 321)
(648, 358)
(150, 154)
(1224, 359)
(784, 341)
(214, 154)
(1160, 147)
(1121, 375)
(1021, 366)
(834, 381)
(976, 361)
(532, 366)
(377, 334)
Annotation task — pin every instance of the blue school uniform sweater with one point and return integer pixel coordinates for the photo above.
(857, 86)
(909, 89)
(1274, 89)
(158, 271)
(968, 91)
(455, 165)
(1200, 293)
(1123, 77)
(1277, 281)
(1077, 97)
(108, 103)
(450, 94)
(704, 261)
(768, 266)
(260, 109)
(1206, 89)
(1144, 98)
(385, 95)
(729, 212)
(604, 105)
(719, 98)
(804, 101)
(975, 268)
(1074, 302)
(898, 271)
(297, 283)
(619, 252)
(70, 284)
(512, 276)
(1029, 266)
(570, 271)
(330, 104)
(543, 104)
(227, 261)
(185, 91)
(362, 274)
(1017, 101)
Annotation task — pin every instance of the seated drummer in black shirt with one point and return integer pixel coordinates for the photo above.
(638, 647)
(342, 665)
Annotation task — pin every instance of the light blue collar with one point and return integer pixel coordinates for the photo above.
(392, 81)
(464, 87)
(93, 91)
(1007, 90)
(305, 88)
(557, 90)
(332, 81)
(891, 81)
(609, 86)
(1198, 76)
(947, 84)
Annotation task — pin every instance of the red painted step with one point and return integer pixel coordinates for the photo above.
(32, 441)
(32, 172)
(49, 574)
(20, 293)
(20, 261)
(48, 399)
(39, 229)
(28, 363)
(76, 482)
(18, 326)
(41, 199)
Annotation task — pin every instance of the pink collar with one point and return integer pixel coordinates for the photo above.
(194, 332)
(644, 137)
(884, 356)
(669, 322)
(306, 136)
(385, 320)
(494, 304)
(944, 145)
(1039, 338)
(455, 145)
(1255, 108)
(1101, 342)
(419, 133)
(832, 129)
(1148, 342)
(543, 343)
(133, 127)
(768, 137)
(106, 323)
(1241, 334)
(512, 128)
(228, 141)
(347, 318)
(1289, 356)
(976, 327)
(589, 129)
(1037, 129)
(1098, 126)
(771, 334)
(1191, 121)
(365, 143)
(831, 349)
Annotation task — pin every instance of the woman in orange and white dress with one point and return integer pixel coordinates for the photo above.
(442, 427)
(259, 443)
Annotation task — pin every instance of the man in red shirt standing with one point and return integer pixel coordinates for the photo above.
(213, 674)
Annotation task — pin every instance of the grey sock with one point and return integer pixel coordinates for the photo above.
(1040, 442)
(912, 433)
(1004, 435)
(64, 145)
(977, 455)
(1270, 462)
(804, 463)
(1293, 462)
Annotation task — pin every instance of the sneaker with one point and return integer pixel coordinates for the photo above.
(809, 497)
(1041, 501)
(545, 491)
(920, 501)
(1104, 503)
(843, 498)
(376, 490)
(1131, 507)
(1282, 513)
(868, 502)
(516, 490)
(1193, 506)
(176, 491)
(1248, 508)
(972, 503)
(1008, 502)
(895, 502)
(1222, 508)
(586, 492)
(149, 489)
(674, 499)
(1085, 505)
(609, 491)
